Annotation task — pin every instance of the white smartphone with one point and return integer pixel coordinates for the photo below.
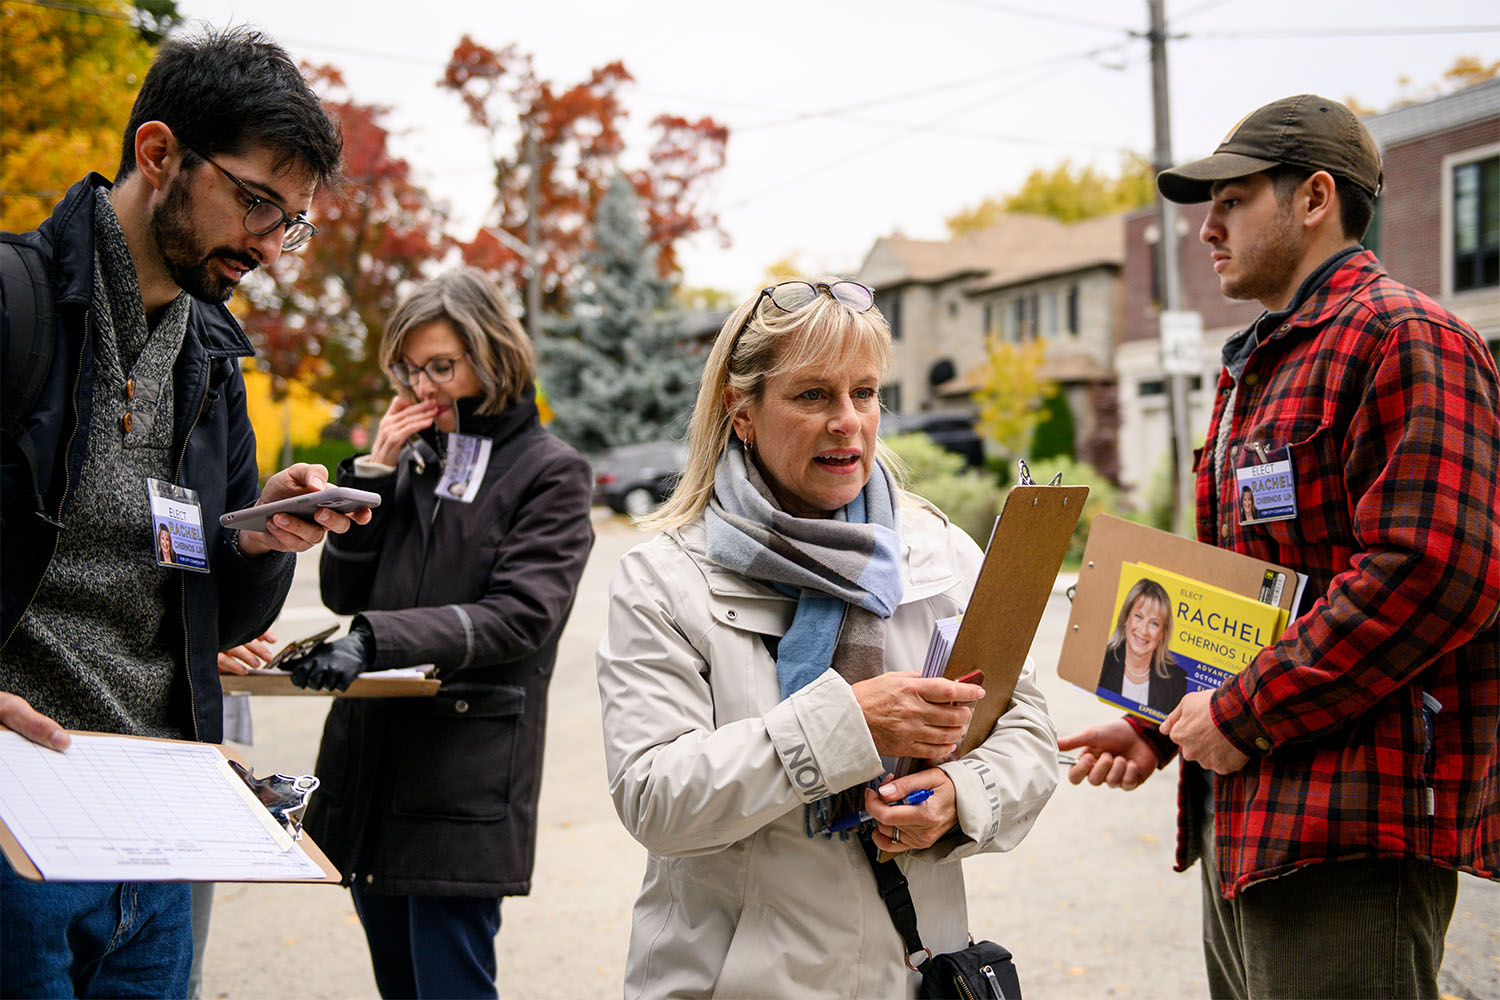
(343, 499)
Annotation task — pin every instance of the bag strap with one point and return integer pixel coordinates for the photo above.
(28, 348)
(897, 899)
(26, 298)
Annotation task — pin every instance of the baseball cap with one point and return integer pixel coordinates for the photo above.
(1303, 131)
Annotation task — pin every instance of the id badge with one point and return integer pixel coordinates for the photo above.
(176, 527)
(464, 468)
(1266, 492)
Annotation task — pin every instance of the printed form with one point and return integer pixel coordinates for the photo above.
(115, 809)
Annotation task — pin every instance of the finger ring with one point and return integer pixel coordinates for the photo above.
(895, 835)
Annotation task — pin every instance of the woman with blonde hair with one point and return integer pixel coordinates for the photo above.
(1139, 672)
(428, 805)
(760, 680)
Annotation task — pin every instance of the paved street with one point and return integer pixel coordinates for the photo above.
(1088, 902)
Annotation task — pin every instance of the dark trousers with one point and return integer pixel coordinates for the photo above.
(1352, 930)
(430, 946)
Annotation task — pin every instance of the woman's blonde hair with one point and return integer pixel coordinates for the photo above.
(770, 342)
(1147, 590)
(494, 340)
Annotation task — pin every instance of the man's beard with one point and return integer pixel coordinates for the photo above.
(192, 270)
(1268, 266)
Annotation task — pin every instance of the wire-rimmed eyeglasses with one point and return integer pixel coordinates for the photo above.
(438, 370)
(790, 296)
(265, 216)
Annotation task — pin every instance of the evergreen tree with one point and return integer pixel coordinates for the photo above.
(615, 369)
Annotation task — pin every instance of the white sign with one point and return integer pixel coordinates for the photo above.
(1181, 342)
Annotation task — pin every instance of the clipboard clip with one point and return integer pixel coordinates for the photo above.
(1026, 479)
(298, 648)
(283, 795)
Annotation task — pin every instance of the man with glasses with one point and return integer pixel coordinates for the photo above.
(142, 406)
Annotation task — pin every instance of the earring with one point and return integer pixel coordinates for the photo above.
(749, 444)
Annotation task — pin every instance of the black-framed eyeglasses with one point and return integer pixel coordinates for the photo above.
(265, 216)
(790, 296)
(438, 370)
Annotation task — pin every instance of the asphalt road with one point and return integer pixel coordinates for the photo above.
(1088, 902)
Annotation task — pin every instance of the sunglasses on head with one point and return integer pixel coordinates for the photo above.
(790, 296)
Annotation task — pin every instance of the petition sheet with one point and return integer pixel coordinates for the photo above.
(115, 809)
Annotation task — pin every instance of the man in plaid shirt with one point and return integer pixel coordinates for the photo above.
(1354, 762)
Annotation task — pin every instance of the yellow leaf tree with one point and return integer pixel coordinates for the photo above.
(1010, 395)
(300, 415)
(1066, 193)
(70, 74)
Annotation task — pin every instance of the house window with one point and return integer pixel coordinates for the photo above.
(989, 319)
(1049, 315)
(1072, 327)
(890, 395)
(1476, 224)
(889, 304)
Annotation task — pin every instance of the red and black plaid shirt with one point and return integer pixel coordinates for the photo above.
(1390, 407)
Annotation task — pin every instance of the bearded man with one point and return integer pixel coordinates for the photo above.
(139, 420)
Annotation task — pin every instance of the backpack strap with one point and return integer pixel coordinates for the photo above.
(27, 308)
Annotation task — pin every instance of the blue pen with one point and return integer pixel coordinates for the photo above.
(850, 822)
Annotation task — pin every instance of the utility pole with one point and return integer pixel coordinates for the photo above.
(1168, 271)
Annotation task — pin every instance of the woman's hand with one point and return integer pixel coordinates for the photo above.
(241, 659)
(914, 716)
(911, 828)
(1112, 753)
(403, 418)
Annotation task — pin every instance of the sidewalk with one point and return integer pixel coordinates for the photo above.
(1088, 902)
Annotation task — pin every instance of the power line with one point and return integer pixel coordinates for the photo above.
(1056, 64)
(1037, 15)
(1440, 29)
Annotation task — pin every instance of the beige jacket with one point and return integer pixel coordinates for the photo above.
(709, 768)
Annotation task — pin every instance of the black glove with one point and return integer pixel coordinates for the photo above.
(334, 665)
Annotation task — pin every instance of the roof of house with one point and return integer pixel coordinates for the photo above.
(1016, 249)
(1414, 121)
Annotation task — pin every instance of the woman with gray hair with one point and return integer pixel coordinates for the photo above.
(428, 805)
(760, 678)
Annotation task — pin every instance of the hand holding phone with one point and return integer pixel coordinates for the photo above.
(343, 499)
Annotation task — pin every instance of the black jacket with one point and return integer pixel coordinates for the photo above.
(215, 449)
(1162, 694)
(437, 796)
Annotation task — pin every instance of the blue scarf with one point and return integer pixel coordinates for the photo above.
(846, 569)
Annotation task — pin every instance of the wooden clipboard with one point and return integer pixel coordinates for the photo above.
(363, 686)
(1114, 541)
(1021, 563)
(23, 865)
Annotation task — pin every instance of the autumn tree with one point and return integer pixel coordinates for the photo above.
(554, 149)
(615, 369)
(1011, 393)
(1066, 193)
(1465, 72)
(71, 72)
(321, 317)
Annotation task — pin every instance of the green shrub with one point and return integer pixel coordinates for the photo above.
(1055, 436)
(1104, 497)
(970, 500)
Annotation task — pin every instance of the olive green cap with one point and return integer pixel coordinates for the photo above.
(1302, 131)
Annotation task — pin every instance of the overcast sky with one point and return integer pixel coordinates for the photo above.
(853, 119)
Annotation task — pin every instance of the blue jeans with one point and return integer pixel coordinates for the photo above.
(430, 946)
(94, 939)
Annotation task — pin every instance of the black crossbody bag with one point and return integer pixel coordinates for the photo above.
(982, 971)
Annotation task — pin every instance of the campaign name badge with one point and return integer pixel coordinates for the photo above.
(1266, 492)
(464, 468)
(177, 527)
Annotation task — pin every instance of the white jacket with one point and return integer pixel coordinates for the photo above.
(709, 769)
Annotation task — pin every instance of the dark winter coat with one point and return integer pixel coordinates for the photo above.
(215, 452)
(437, 796)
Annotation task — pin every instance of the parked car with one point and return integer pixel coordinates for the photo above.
(949, 429)
(633, 478)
